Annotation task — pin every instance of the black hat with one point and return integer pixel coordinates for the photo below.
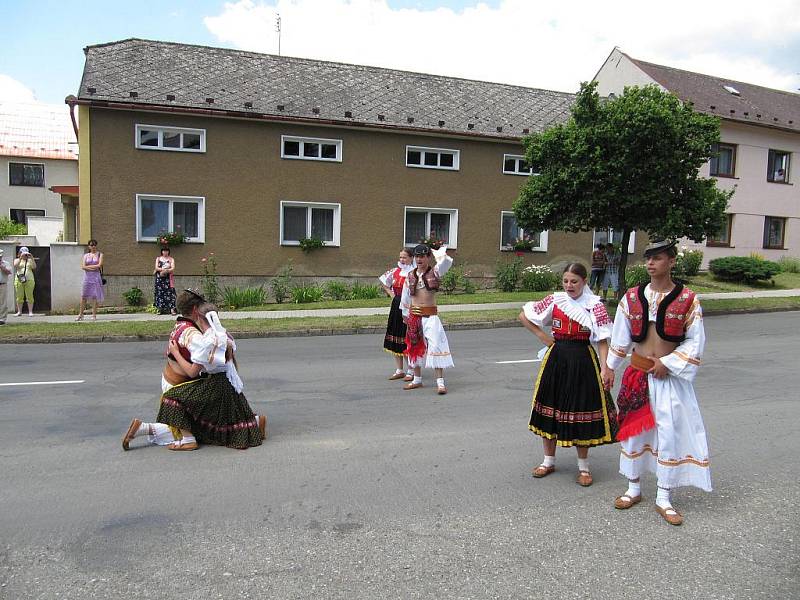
(421, 250)
(659, 247)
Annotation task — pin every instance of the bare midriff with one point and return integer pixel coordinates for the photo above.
(654, 345)
(423, 297)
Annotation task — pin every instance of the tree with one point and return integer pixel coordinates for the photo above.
(630, 163)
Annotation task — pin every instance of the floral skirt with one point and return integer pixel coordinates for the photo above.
(212, 410)
(570, 404)
(395, 339)
(165, 295)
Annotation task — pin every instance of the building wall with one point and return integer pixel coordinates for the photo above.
(56, 172)
(243, 180)
(619, 71)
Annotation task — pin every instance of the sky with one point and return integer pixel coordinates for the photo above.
(549, 44)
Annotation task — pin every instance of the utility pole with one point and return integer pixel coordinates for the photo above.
(278, 29)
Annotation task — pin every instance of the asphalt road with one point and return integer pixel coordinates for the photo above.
(366, 491)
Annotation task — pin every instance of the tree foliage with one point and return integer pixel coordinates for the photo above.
(630, 163)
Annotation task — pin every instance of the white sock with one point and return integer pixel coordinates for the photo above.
(634, 489)
(143, 429)
(398, 371)
(583, 464)
(662, 498)
(410, 372)
(440, 382)
(417, 379)
(549, 461)
(158, 434)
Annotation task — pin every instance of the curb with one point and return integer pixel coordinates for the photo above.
(371, 329)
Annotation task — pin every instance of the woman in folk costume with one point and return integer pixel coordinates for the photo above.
(395, 340)
(202, 397)
(660, 426)
(426, 341)
(571, 403)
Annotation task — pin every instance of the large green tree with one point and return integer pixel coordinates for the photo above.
(630, 163)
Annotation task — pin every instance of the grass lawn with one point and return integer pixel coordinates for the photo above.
(705, 282)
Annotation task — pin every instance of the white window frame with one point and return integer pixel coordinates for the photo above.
(161, 129)
(201, 216)
(33, 164)
(453, 212)
(517, 158)
(610, 230)
(337, 221)
(423, 149)
(303, 140)
(542, 247)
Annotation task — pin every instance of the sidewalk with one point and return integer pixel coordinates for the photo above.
(348, 312)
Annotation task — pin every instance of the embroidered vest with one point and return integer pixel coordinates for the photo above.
(182, 325)
(670, 318)
(565, 328)
(429, 278)
(397, 281)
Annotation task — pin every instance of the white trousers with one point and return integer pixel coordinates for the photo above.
(437, 355)
(676, 450)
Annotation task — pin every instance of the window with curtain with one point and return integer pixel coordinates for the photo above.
(158, 214)
(26, 174)
(300, 220)
(423, 223)
(723, 160)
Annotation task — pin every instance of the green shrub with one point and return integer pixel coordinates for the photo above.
(688, 263)
(337, 290)
(362, 291)
(456, 279)
(303, 294)
(507, 274)
(9, 228)
(469, 287)
(310, 244)
(282, 283)
(239, 297)
(745, 269)
(539, 278)
(153, 310)
(636, 275)
(789, 264)
(133, 297)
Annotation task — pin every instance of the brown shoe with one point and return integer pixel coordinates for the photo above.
(542, 471)
(624, 502)
(181, 446)
(129, 435)
(412, 386)
(398, 376)
(671, 516)
(262, 425)
(584, 478)
(408, 378)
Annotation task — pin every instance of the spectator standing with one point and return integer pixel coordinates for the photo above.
(5, 271)
(598, 269)
(92, 265)
(24, 282)
(164, 285)
(611, 276)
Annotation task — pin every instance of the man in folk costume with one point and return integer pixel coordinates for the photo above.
(661, 429)
(426, 341)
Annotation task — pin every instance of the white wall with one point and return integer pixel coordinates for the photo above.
(56, 172)
(46, 229)
(9, 252)
(66, 275)
(619, 71)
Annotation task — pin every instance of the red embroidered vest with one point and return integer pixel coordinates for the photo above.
(565, 328)
(397, 281)
(181, 326)
(670, 318)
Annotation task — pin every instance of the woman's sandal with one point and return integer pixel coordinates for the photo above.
(584, 478)
(131, 433)
(181, 446)
(671, 516)
(542, 471)
(262, 425)
(623, 502)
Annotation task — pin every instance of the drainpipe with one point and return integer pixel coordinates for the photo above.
(72, 101)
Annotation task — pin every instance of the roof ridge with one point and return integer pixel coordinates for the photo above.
(327, 62)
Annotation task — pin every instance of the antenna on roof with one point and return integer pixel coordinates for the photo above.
(278, 29)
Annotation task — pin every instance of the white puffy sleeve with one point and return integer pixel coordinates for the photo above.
(540, 313)
(443, 261)
(684, 361)
(405, 300)
(387, 278)
(621, 340)
(601, 323)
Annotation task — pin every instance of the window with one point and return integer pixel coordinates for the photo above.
(774, 231)
(156, 214)
(723, 238)
(723, 160)
(432, 158)
(301, 220)
(425, 223)
(515, 165)
(510, 233)
(302, 148)
(20, 215)
(26, 174)
(778, 166)
(175, 139)
(603, 236)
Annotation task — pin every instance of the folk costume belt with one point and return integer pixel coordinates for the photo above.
(641, 363)
(424, 311)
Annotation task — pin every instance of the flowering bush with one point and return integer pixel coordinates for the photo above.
(636, 275)
(539, 278)
(172, 238)
(432, 241)
(688, 263)
(209, 278)
(310, 244)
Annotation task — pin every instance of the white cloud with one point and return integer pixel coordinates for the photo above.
(12, 90)
(549, 43)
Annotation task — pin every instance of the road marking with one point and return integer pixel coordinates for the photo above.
(511, 362)
(43, 382)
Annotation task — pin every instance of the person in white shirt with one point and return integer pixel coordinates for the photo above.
(5, 271)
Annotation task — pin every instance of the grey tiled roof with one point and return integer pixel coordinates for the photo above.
(312, 89)
(754, 104)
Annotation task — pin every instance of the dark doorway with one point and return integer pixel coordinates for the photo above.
(42, 297)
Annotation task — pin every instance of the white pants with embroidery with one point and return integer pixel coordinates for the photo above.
(437, 355)
(676, 450)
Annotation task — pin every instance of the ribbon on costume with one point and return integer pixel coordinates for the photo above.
(415, 339)
(633, 403)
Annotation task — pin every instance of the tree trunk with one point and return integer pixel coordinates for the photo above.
(623, 263)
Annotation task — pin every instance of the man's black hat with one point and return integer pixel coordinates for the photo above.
(421, 250)
(659, 247)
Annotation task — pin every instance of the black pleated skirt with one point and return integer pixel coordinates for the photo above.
(569, 402)
(395, 340)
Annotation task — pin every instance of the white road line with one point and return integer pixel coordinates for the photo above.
(511, 362)
(43, 382)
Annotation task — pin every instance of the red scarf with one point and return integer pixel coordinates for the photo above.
(415, 340)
